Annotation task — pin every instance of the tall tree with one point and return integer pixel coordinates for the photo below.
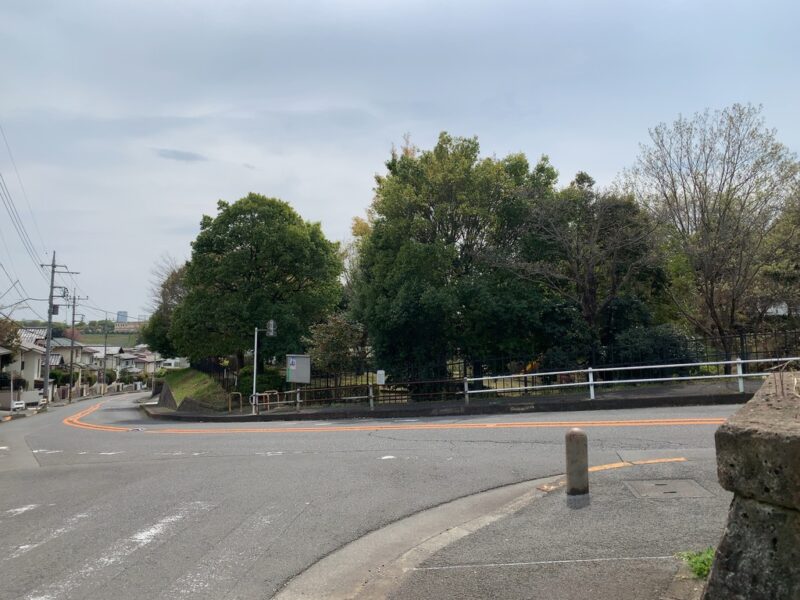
(168, 290)
(256, 260)
(423, 290)
(592, 249)
(718, 182)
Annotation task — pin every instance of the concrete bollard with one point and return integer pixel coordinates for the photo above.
(577, 462)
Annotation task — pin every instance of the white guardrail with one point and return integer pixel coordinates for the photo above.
(588, 376)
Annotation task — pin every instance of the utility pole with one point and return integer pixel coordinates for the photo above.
(53, 266)
(105, 349)
(72, 340)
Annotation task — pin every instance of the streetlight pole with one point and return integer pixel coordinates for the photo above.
(271, 331)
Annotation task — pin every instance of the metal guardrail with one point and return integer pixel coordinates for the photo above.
(591, 382)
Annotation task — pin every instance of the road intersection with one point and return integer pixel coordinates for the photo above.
(99, 501)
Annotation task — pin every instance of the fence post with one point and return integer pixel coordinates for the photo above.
(739, 373)
(591, 384)
(466, 391)
(371, 398)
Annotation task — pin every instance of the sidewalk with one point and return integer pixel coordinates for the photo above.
(618, 544)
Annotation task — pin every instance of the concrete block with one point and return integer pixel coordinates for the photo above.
(759, 556)
(758, 448)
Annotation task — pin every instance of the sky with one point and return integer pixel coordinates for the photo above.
(127, 121)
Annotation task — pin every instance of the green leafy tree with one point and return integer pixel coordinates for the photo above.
(9, 339)
(256, 260)
(423, 288)
(594, 250)
(337, 345)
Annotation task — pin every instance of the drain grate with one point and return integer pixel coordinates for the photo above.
(668, 488)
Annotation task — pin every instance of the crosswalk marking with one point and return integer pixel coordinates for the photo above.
(100, 570)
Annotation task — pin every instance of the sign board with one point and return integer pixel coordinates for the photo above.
(298, 368)
(380, 378)
(272, 328)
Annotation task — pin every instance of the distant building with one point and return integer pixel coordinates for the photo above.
(128, 326)
(122, 316)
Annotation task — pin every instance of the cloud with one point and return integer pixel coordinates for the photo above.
(181, 155)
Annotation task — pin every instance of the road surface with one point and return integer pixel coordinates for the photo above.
(98, 502)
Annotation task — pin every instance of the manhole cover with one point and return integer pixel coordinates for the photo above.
(668, 488)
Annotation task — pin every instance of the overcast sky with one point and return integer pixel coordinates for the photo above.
(128, 120)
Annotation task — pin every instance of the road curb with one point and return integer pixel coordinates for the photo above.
(685, 586)
(373, 565)
(451, 409)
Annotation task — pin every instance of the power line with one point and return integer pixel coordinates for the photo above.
(22, 187)
(19, 226)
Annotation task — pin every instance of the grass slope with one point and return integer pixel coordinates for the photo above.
(188, 383)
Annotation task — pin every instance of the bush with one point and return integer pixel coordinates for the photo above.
(59, 377)
(662, 344)
(269, 379)
(699, 562)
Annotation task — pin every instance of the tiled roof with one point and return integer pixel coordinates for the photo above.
(31, 334)
(61, 342)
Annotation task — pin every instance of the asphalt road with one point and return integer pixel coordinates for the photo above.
(112, 505)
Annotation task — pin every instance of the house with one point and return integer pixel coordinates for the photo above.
(175, 363)
(28, 362)
(107, 354)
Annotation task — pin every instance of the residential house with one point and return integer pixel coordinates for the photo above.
(107, 354)
(28, 362)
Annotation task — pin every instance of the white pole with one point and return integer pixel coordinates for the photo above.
(255, 367)
(739, 373)
(466, 391)
(591, 384)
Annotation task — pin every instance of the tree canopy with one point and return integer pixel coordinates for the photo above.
(256, 260)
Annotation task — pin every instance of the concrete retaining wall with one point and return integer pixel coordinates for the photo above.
(758, 459)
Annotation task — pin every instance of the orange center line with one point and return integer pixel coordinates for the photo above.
(76, 420)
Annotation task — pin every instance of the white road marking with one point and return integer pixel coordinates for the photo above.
(46, 451)
(270, 453)
(217, 573)
(22, 509)
(68, 526)
(3, 447)
(542, 562)
(386, 457)
(110, 453)
(93, 572)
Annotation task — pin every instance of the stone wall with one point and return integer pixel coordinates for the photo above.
(758, 459)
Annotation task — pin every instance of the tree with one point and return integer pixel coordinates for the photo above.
(718, 182)
(337, 345)
(592, 249)
(168, 290)
(256, 260)
(9, 337)
(423, 289)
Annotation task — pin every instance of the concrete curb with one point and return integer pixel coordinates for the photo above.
(452, 409)
(375, 564)
(685, 586)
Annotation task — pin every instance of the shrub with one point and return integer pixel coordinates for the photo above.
(269, 379)
(699, 562)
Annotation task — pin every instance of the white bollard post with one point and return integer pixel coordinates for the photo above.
(577, 450)
(591, 384)
(466, 391)
(739, 372)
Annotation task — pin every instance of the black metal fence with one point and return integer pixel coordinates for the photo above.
(444, 380)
